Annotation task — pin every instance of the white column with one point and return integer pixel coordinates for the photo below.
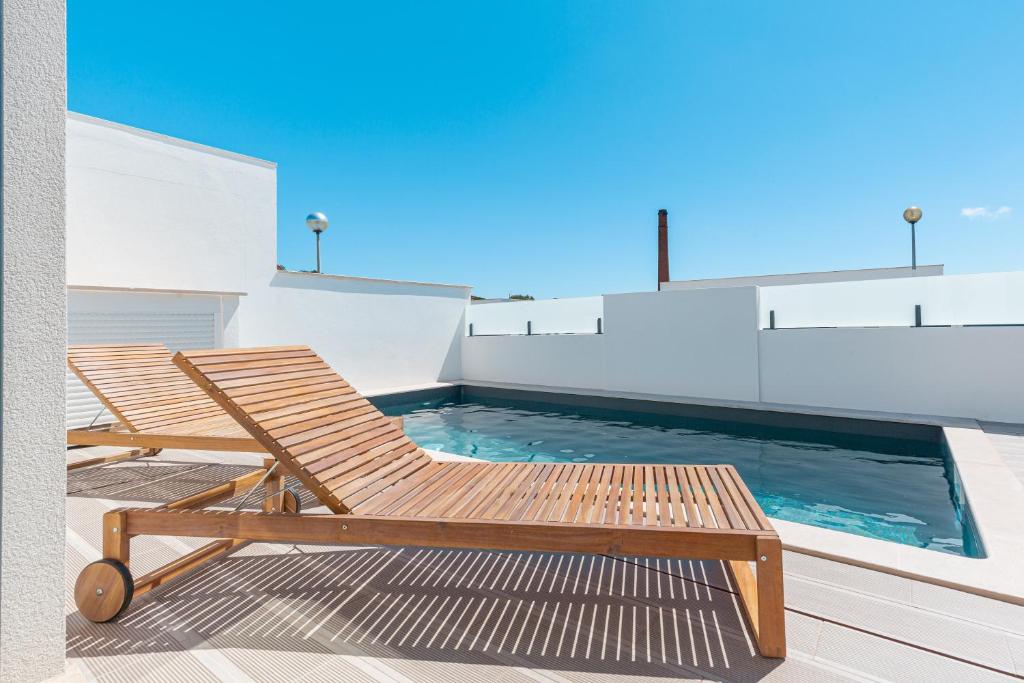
(34, 328)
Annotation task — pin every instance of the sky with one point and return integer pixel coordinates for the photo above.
(526, 147)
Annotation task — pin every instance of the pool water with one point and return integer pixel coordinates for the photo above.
(893, 489)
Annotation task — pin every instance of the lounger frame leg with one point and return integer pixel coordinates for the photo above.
(273, 500)
(125, 456)
(116, 545)
(771, 607)
(761, 595)
(117, 540)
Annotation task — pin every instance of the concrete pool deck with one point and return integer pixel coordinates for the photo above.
(410, 614)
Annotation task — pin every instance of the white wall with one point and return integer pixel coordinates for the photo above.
(549, 316)
(980, 299)
(32, 474)
(377, 333)
(564, 361)
(704, 345)
(968, 371)
(146, 210)
(690, 344)
(805, 278)
(153, 212)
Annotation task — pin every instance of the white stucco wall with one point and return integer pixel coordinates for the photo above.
(548, 316)
(960, 371)
(147, 210)
(976, 299)
(686, 344)
(805, 278)
(705, 345)
(554, 361)
(32, 474)
(377, 333)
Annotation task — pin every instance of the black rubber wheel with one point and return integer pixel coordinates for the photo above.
(104, 590)
(290, 502)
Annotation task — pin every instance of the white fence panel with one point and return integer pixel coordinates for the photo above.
(549, 316)
(982, 299)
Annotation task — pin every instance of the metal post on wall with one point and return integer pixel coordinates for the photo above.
(317, 222)
(912, 215)
(917, 315)
(599, 330)
(771, 320)
(529, 327)
(471, 329)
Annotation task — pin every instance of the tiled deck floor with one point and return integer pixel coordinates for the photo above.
(277, 612)
(1009, 441)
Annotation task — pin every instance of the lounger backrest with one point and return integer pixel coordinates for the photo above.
(139, 385)
(322, 430)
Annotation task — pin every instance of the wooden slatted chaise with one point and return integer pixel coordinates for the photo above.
(157, 406)
(383, 489)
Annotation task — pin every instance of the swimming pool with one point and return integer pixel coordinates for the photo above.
(874, 479)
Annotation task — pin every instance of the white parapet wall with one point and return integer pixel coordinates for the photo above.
(705, 345)
(379, 334)
(688, 344)
(979, 299)
(805, 278)
(975, 372)
(577, 315)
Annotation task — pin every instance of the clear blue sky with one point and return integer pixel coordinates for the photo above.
(527, 146)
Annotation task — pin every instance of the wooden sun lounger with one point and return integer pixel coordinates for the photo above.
(156, 405)
(383, 489)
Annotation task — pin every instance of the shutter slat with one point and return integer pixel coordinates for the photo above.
(176, 330)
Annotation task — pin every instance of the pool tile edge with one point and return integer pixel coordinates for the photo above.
(995, 498)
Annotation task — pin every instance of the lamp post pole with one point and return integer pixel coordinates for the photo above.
(317, 232)
(912, 215)
(913, 248)
(317, 222)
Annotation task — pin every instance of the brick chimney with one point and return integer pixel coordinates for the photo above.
(662, 247)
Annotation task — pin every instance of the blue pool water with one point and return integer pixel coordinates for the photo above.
(894, 489)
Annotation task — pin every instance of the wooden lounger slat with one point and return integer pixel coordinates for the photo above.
(449, 478)
(480, 492)
(533, 486)
(524, 483)
(404, 489)
(295, 387)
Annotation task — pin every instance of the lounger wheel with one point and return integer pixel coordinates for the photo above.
(291, 502)
(103, 590)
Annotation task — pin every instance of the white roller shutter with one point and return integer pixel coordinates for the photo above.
(176, 330)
